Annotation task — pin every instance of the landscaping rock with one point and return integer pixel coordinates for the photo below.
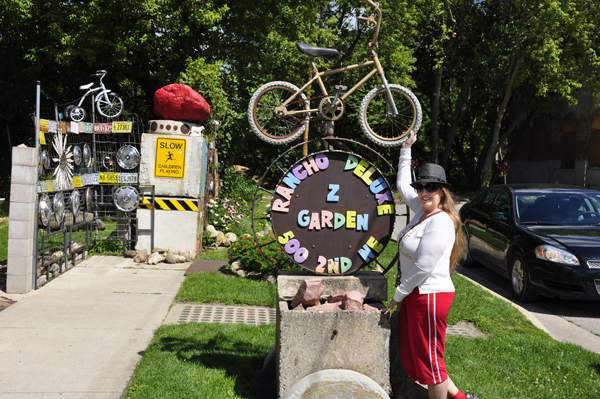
(211, 229)
(336, 296)
(155, 258)
(366, 306)
(141, 256)
(232, 237)
(226, 243)
(130, 253)
(159, 250)
(180, 259)
(188, 256)
(309, 292)
(181, 103)
(241, 273)
(269, 278)
(170, 258)
(254, 275)
(220, 237)
(353, 300)
(235, 266)
(327, 306)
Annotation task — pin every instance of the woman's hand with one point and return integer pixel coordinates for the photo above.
(412, 137)
(391, 306)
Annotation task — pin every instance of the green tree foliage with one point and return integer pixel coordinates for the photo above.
(477, 66)
(507, 61)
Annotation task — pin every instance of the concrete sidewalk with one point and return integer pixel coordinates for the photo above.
(82, 334)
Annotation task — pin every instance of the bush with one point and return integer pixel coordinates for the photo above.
(247, 252)
(227, 215)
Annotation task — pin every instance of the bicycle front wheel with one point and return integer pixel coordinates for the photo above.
(111, 108)
(376, 119)
(267, 116)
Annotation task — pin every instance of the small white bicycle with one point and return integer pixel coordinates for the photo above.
(108, 103)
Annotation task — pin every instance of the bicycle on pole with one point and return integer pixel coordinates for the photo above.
(107, 103)
(279, 112)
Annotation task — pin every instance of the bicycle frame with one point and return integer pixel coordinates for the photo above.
(95, 89)
(392, 111)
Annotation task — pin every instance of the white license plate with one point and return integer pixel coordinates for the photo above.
(128, 178)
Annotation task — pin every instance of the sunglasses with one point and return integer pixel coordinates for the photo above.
(430, 188)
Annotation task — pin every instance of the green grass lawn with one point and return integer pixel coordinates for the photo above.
(517, 360)
(3, 240)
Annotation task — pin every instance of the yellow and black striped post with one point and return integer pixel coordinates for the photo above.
(169, 204)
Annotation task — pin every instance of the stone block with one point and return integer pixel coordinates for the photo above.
(20, 229)
(371, 284)
(20, 247)
(22, 211)
(22, 193)
(19, 266)
(25, 156)
(24, 174)
(308, 342)
(194, 167)
(18, 284)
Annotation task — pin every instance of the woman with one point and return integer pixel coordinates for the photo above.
(429, 247)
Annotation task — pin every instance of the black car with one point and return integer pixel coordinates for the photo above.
(544, 238)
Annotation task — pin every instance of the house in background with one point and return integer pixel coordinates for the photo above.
(565, 150)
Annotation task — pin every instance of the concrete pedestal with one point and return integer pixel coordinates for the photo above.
(174, 165)
(174, 230)
(312, 341)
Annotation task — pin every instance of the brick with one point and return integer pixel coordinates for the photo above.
(20, 247)
(22, 211)
(20, 229)
(26, 156)
(24, 174)
(22, 192)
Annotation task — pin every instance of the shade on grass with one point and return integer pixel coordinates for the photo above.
(202, 361)
(226, 290)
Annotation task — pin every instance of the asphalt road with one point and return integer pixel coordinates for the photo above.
(576, 322)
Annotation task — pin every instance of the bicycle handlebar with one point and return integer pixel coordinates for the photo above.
(375, 7)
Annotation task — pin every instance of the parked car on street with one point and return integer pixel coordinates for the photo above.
(544, 238)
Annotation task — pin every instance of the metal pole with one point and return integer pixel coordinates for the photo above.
(36, 210)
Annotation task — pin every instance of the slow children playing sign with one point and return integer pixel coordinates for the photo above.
(333, 212)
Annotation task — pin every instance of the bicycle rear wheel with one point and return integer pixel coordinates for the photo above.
(111, 108)
(270, 125)
(376, 120)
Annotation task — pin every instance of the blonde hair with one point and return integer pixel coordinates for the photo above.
(447, 204)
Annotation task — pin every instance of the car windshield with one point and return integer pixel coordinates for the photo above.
(558, 207)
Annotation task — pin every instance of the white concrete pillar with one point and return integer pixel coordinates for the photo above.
(22, 224)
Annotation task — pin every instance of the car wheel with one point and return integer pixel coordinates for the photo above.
(519, 280)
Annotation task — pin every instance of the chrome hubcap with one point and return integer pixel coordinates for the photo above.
(517, 276)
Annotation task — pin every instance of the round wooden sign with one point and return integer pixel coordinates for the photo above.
(333, 212)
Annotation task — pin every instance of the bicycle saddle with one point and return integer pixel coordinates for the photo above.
(313, 51)
(85, 87)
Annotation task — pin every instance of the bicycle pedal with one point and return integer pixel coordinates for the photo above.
(340, 87)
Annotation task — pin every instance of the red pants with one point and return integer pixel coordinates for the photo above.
(422, 332)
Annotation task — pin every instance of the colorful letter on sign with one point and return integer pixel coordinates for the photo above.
(170, 158)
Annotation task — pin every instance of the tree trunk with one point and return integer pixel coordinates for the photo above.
(492, 143)
(459, 113)
(435, 112)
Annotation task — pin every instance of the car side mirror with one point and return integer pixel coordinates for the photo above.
(499, 216)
